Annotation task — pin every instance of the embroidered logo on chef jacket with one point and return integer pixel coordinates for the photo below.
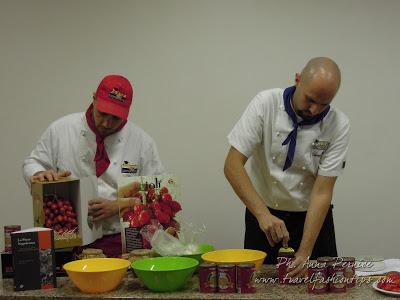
(129, 169)
(318, 148)
(117, 95)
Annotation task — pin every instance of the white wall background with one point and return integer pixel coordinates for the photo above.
(195, 66)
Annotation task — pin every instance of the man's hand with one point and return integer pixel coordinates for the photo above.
(129, 190)
(298, 267)
(49, 175)
(101, 209)
(126, 204)
(275, 230)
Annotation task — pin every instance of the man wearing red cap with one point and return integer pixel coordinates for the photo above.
(99, 142)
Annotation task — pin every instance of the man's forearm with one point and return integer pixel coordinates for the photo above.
(316, 213)
(244, 189)
(123, 203)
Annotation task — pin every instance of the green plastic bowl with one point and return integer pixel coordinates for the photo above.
(165, 274)
(203, 248)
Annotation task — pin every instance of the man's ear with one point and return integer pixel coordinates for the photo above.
(297, 79)
(94, 99)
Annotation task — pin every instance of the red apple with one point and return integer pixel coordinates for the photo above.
(138, 195)
(156, 205)
(162, 217)
(175, 206)
(139, 208)
(165, 208)
(151, 194)
(166, 197)
(144, 217)
(163, 190)
(128, 215)
(135, 222)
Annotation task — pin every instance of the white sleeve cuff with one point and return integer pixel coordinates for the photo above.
(234, 143)
(30, 169)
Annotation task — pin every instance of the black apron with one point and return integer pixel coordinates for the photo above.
(256, 239)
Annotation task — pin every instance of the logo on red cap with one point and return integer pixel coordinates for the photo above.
(117, 95)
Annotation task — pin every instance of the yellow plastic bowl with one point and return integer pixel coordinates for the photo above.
(236, 256)
(97, 275)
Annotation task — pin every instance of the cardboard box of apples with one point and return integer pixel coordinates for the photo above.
(56, 205)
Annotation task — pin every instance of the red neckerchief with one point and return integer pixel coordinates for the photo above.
(101, 158)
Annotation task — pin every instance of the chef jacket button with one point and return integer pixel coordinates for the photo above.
(278, 133)
(303, 167)
(275, 182)
(313, 144)
(301, 183)
(273, 157)
(83, 133)
(276, 204)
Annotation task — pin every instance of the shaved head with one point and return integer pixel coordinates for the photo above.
(322, 70)
(316, 86)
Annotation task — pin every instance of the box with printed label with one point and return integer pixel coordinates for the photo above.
(147, 203)
(34, 259)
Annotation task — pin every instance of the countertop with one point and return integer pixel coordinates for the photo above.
(132, 288)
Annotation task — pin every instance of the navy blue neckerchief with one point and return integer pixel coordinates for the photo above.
(292, 136)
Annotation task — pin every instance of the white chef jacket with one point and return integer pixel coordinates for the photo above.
(320, 150)
(69, 144)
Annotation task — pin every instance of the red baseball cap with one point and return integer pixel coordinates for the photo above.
(114, 96)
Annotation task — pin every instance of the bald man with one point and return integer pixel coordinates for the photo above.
(294, 143)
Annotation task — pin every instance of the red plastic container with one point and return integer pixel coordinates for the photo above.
(8, 229)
